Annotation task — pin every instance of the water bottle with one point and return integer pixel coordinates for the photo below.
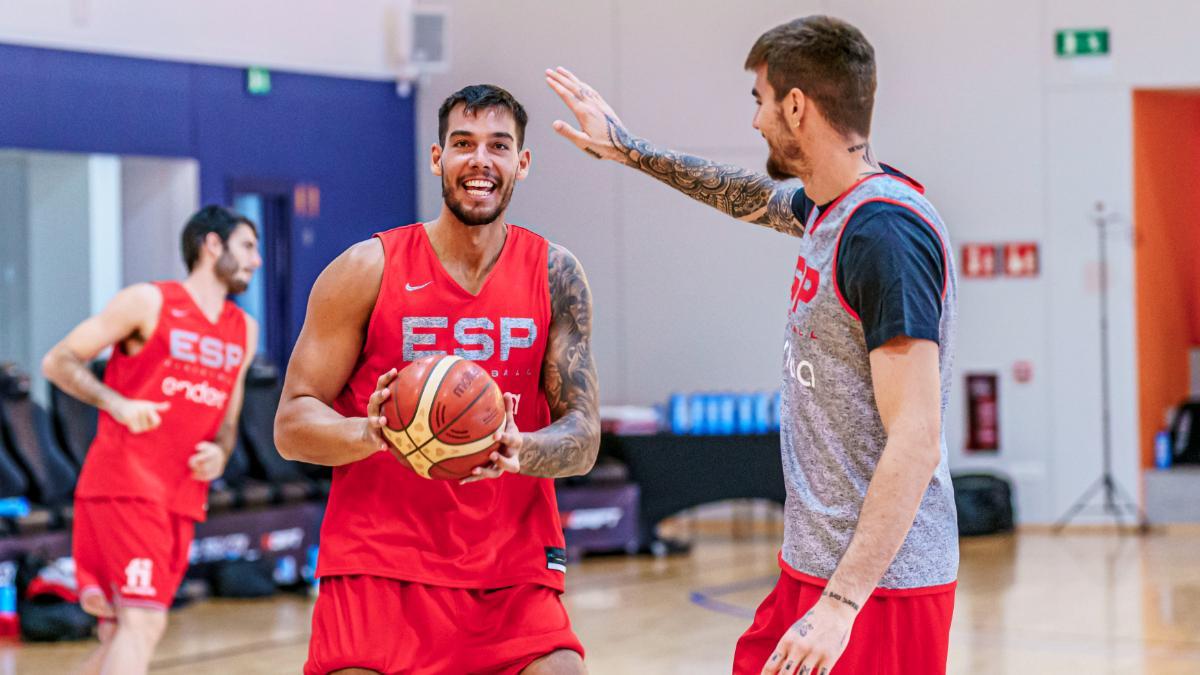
(745, 413)
(678, 414)
(697, 419)
(728, 416)
(712, 413)
(286, 572)
(1162, 450)
(762, 412)
(10, 625)
(776, 410)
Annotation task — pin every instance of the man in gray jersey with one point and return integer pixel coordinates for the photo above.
(870, 550)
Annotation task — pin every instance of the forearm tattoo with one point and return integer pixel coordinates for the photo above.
(567, 447)
(743, 194)
(840, 598)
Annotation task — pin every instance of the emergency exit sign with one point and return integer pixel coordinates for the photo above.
(258, 81)
(1081, 42)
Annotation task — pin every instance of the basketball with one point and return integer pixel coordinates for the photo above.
(441, 416)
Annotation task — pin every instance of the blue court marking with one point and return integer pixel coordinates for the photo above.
(708, 597)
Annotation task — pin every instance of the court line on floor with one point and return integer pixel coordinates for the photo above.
(708, 597)
(216, 655)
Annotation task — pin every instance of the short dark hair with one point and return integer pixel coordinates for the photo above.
(829, 60)
(211, 218)
(480, 97)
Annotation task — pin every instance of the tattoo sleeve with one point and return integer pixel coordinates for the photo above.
(743, 194)
(567, 447)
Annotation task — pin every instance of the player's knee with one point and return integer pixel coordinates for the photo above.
(105, 630)
(560, 662)
(147, 625)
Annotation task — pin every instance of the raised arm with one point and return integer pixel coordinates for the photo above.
(569, 445)
(307, 428)
(745, 195)
(132, 315)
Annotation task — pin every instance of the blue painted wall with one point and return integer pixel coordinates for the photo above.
(351, 138)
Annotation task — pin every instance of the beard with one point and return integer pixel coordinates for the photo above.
(226, 269)
(456, 206)
(787, 160)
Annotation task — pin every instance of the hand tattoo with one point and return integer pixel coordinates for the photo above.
(567, 447)
(743, 194)
(803, 670)
(787, 666)
(593, 153)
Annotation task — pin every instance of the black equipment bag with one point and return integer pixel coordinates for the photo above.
(984, 504)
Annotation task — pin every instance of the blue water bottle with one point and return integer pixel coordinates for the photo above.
(745, 413)
(762, 412)
(776, 410)
(1162, 450)
(728, 407)
(10, 625)
(677, 412)
(712, 413)
(697, 418)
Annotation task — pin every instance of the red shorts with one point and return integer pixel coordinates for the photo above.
(896, 632)
(392, 626)
(133, 551)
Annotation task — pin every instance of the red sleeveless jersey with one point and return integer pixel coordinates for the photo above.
(385, 520)
(189, 362)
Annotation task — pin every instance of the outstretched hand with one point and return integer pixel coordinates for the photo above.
(599, 127)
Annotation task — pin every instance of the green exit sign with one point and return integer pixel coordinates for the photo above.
(1082, 42)
(258, 81)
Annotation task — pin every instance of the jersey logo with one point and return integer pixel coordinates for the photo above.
(410, 287)
(800, 370)
(190, 347)
(804, 284)
(138, 577)
(473, 335)
(201, 393)
(556, 558)
(178, 313)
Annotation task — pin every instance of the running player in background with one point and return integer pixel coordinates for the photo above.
(169, 405)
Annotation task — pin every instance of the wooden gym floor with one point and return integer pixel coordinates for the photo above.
(1085, 602)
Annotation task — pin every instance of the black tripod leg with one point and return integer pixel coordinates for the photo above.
(1078, 505)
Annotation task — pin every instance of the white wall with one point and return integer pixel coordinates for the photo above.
(348, 37)
(157, 197)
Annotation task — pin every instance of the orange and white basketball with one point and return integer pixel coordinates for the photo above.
(442, 415)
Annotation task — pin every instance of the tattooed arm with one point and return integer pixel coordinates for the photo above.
(743, 194)
(567, 447)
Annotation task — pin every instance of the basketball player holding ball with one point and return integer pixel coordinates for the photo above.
(440, 576)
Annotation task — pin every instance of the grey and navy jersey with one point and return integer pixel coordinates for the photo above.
(832, 435)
